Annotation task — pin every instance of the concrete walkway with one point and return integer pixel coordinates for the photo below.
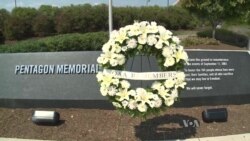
(239, 137)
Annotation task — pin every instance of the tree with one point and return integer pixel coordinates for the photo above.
(4, 14)
(19, 24)
(44, 22)
(217, 11)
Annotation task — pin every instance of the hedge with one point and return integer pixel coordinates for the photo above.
(227, 37)
(47, 20)
(67, 42)
(2, 38)
(194, 41)
(19, 25)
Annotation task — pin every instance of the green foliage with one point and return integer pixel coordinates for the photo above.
(48, 20)
(48, 10)
(124, 15)
(193, 41)
(82, 18)
(44, 23)
(170, 17)
(4, 14)
(16, 28)
(2, 38)
(19, 25)
(24, 12)
(177, 18)
(217, 11)
(227, 37)
(67, 42)
(246, 17)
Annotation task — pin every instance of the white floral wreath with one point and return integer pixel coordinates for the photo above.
(147, 39)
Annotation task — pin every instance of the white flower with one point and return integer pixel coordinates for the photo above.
(166, 43)
(124, 103)
(115, 81)
(100, 60)
(169, 62)
(163, 92)
(142, 39)
(104, 90)
(113, 62)
(122, 35)
(159, 44)
(169, 101)
(152, 28)
(169, 83)
(161, 29)
(105, 57)
(116, 48)
(174, 93)
(142, 107)
(131, 43)
(180, 76)
(132, 104)
(176, 39)
(156, 85)
(152, 104)
(144, 23)
(155, 97)
(158, 103)
(123, 95)
(167, 52)
(99, 76)
(132, 93)
(181, 54)
(151, 40)
(143, 96)
(180, 80)
(120, 59)
(112, 91)
(106, 47)
(143, 27)
(107, 80)
(134, 30)
(125, 84)
(164, 36)
(181, 84)
(116, 104)
(124, 48)
(114, 34)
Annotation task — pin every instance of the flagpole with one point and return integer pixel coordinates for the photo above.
(110, 18)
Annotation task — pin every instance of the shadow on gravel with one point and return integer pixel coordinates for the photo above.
(164, 127)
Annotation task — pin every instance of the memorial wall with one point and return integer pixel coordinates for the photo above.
(67, 79)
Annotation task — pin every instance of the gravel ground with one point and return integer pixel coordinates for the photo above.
(98, 124)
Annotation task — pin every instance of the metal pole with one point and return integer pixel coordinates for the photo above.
(15, 3)
(110, 18)
(168, 3)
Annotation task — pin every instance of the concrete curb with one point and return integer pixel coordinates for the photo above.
(239, 137)
(16, 139)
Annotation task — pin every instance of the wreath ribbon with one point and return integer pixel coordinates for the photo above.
(140, 75)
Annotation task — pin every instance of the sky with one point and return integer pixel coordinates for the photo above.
(10, 4)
